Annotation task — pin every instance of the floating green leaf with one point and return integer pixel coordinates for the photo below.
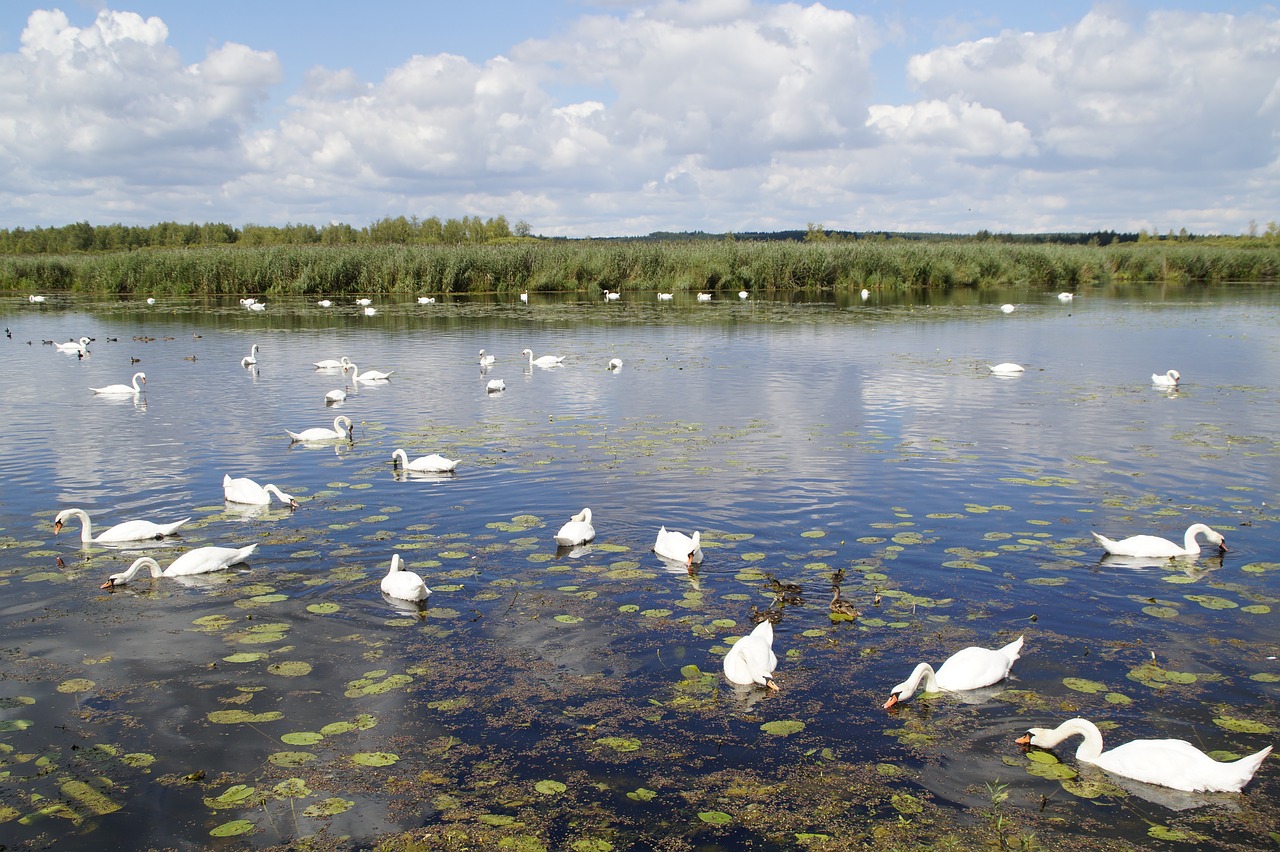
(620, 744)
(374, 758)
(245, 657)
(76, 684)
(233, 797)
(1242, 726)
(233, 717)
(323, 608)
(715, 817)
(292, 788)
(291, 758)
(290, 668)
(1212, 601)
(641, 794)
(568, 619)
(782, 728)
(1079, 684)
(550, 788)
(302, 738)
(235, 828)
(328, 808)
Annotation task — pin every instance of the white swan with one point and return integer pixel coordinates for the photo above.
(486, 359)
(743, 294)
(364, 302)
(325, 303)
(403, 585)
(970, 668)
(244, 303)
(433, 463)
(524, 297)
(678, 547)
(335, 396)
(1066, 297)
(611, 296)
(577, 531)
(257, 306)
(80, 345)
(495, 385)
(543, 361)
(1168, 380)
(319, 433)
(244, 490)
(1154, 546)
(615, 363)
(202, 560)
(665, 297)
(704, 297)
(126, 531)
(1166, 763)
(35, 299)
(865, 294)
(332, 363)
(151, 300)
(250, 359)
(1008, 309)
(1008, 368)
(426, 300)
(751, 659)
(123, 389)
(368, 377)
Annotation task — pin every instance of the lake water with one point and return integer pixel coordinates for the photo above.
(563, 700)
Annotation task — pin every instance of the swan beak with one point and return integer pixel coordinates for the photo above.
(110, 584)
(1024, 740)
(293, 504)
(1222, 546)
(893, 699)
(57, 527)
(769, 683)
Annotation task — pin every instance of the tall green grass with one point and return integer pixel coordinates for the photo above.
(723, 265)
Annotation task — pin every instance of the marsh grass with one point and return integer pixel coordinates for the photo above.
(587, 266)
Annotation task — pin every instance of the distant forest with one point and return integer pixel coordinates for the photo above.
(82, 237)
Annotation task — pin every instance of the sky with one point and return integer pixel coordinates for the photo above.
(614, 118)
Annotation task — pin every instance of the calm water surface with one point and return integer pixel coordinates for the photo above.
(575, 700)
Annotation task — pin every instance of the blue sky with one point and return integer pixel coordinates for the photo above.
(618, 117)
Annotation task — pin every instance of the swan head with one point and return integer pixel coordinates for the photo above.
(907, 688)
(125, 576)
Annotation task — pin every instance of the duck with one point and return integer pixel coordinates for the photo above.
(332, 363)
(126, 531)
(250, 359)
(615, 363)
(1169, 380)
(202, 560)
(543, 361)
(840, 606)
(970, 668)
(403, 585)
(751, 659)
(80, 346)
(1154, 546)
(577, 531)
(123, 389)
(424, 464)
(368, 377)
(495, 385)
(678, 547)
(319, 433)
(1008, 368)
(1167, 763)
(245, 490)
(486, 359)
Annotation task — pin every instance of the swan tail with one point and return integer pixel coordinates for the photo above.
(1106, 543)
(1247, 766)
(1013, 650)
(243, 553)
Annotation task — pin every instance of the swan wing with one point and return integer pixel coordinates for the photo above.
(1141, 545)
(138, 531)
(1177, 764)
(973, 668)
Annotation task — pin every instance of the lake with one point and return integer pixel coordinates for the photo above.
(544, 698)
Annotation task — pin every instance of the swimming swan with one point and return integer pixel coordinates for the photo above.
(126, 531)
(403, 585)
(577, 531)
(424, 464)
(202, 560)
(332, 363)
(250, 359)
(751, 659)
(1008, 368)
(486, 359)
(1168, 380)
(970, 668)
(544, 361)
(678, 547)
(123, 389)
(1154, 546)
(368, 377)
(1167, 763)
(319, 433)
(244, 490)
(80, 346)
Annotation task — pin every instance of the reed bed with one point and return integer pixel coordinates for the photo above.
(586, 266)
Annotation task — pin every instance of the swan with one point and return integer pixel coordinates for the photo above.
(1008, 309)
(202, 560)
(402, 584)
(244, 490)
(611, 296)
(577, 531)
(704, 297)
(369, 376)
(678, 547)
(319, 433)
(743, 294)
(34, 299)
(257, 306)
(865, 294)
(524, 297)
(332, 363)
(970, 668)
(1154, 546)
(433, 463)
(1166, 763)
(1168, 380)
(1066, 297)
(370, 311)
(123, 389)
(126, 531)
(543, 361)
(486, 359)
(615, 363)
(751, 659)
(325, 303)
(1008, 368)
(426, 300)
(151, 300)
(364, 303)
(495, 385)
(80, 345)
(665, 297)
(244, 303)
(250, 359)
(335, 396)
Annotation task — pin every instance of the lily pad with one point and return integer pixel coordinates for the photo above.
(374, 758)
(1080, 684)
(550, 788)
(715, 817)
(782, 728)
(619, 744)
(1242, 726)
(328, 807)
(235, 828)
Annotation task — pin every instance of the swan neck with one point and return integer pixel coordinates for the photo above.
(86, 526)
(1089, 750)
(924, 672)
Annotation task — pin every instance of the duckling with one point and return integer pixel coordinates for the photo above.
(133, 360)
(757, 615)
